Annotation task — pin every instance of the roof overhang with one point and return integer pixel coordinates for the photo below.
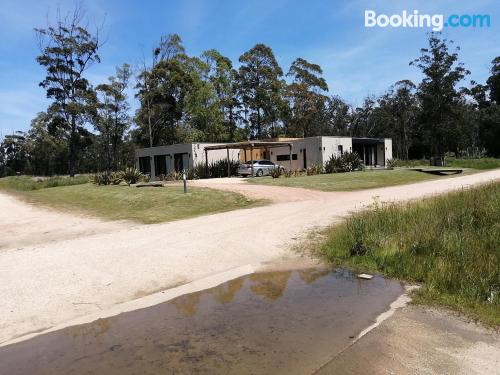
(248, 145)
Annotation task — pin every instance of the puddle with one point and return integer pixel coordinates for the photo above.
(286, 322)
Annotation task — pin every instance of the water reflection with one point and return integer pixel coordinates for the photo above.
(271, 323)
(270, 286)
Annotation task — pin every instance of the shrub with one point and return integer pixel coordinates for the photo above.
(215, 169)
(132, 175)
(276, 172)
(314, 170)
(391, 163)
(101, 178)
(347, 162)
(115, 178)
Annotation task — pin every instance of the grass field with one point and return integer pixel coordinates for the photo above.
(368, 179)
(450, 244)
(145, 205)
(479, 163)
(26, 183)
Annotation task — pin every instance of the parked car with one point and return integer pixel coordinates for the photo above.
(260, 168)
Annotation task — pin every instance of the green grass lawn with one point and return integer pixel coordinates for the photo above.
(145, 205)
(367, 179)
(450, 244)
(478, 163)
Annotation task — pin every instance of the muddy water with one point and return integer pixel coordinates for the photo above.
(287, 322)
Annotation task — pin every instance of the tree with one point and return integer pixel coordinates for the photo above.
(224, 80)
(363, 122)
(67, 52)
(111, 114)
(337, 117)
(306, 99)
(399, 107)
(14, 156)
(152, 122)
(487, 99)
(493, 81)
(438, 95)
(46, 146)
(260, 89)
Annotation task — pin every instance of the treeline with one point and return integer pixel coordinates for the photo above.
(185, 98)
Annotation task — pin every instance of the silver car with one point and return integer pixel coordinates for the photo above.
(260, 168)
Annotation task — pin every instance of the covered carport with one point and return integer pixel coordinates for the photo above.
(248, 145)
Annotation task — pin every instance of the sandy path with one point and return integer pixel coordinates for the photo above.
(276, 194)
(421, 340)
(22, 224)
(54, 282)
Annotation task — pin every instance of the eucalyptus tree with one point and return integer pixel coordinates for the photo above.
(160, 89)
(67, 51)
(439, 97)
(487, 99)
(307, 99)
(337, 117)
(399, 110)
(260, 89)
(112, 118)
(223, 77)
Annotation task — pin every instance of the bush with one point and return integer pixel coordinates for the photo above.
(390, 163)
(276, 172)
(449, 243)
(101, 178)
(215, 169)
(347, 162)
(132, 175)
(314, 170)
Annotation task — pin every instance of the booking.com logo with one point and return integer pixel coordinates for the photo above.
(435, 21)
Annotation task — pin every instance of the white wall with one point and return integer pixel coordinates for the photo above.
(388, 149)
(331, 146)
(195, 155)
(213, 155)
(312, 147)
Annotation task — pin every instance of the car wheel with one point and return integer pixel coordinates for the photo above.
(260, 173)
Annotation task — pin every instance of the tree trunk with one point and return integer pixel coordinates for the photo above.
(72, 147)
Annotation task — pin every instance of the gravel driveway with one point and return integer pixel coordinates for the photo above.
(92, 266)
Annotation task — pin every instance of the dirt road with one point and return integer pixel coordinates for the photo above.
(421, 340)
(89, 272)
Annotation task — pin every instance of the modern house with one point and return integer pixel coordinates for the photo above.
(307, 152)
(294, 153)
(161, 160)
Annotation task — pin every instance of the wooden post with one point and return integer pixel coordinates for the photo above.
(251, 156)
(290, 148)
(206, 162)
(228, 163)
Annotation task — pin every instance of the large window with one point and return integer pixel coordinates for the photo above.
(145, 164)
(160, 164)
(286, 157)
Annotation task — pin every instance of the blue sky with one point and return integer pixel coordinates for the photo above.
(357, 61)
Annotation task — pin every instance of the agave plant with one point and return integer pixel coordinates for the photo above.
(132, 175)
(101, 178)
(347, 162)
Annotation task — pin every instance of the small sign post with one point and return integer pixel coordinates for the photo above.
(184, 180)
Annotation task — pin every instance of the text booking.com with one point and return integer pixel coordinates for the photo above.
(435, 21)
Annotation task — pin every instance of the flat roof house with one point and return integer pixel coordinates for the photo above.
(307, 152)
(294, 153)
(161, 160)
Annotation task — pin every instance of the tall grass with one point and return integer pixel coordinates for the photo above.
(451, 244)
(481, 163)
(476, 163)
(26, 183)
